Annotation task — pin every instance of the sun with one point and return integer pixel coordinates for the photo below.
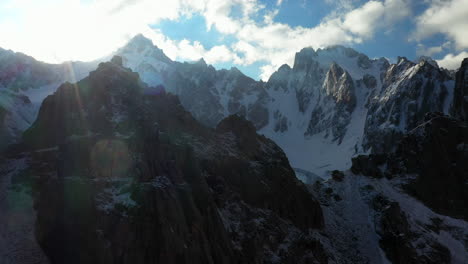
(65, 30)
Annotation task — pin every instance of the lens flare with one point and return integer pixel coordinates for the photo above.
(110, 158)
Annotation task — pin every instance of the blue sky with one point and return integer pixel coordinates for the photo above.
(256, 36)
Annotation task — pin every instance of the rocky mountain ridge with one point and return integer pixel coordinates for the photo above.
(106, 155)
(332, 100)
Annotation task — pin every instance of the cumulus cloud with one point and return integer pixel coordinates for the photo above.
(362, 20)
(186, 50)
(421, 50)
(451, 61)
(342, 4)
(54, 30)
(365, 20)
(446, 17)
(276, 43)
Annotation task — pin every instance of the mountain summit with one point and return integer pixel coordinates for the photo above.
(143, 47)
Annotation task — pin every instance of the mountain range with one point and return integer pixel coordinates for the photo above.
(332, 100)
(197, 165)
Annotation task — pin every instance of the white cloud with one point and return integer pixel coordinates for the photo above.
(220, 54)
(396, 10)
(362, 21)
(342, 4)
(365, 20)
(277, 43)
(186, 50)
(446, 17)
(54, 30)
(421, 50)
(451, 61)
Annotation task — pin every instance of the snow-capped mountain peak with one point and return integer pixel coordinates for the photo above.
(141, 55)
(140, 44)
(425, 59)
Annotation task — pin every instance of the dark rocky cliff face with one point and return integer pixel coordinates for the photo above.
(409, 91)
(129, 177)
(429, 164)
(460, 98)
(432, 160)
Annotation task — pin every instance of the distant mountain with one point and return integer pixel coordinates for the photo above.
(209, 94)
(24, 83)
(332, 100)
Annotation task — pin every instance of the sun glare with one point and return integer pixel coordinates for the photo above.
(66, 30)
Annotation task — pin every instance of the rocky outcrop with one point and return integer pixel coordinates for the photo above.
(336, 102)
(339, 85)
(369, 165)
(307, 77)
(131, 177)
(16, 114)
(460, 98)
(431, 158)
(409, 91)
(213, 94)
(217, 94)
(397, 238)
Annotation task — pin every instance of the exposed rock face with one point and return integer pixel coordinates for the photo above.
(131, 177)
(409, 91)
(335, 105)
(339, 85)
(396, 233)
(213, 94)
(397, 239)
(429, 163)
(307, 77)
(217, 94)
(369, 220)
(460, 98)
(432, 158)
(13, 121)
(323, 100)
